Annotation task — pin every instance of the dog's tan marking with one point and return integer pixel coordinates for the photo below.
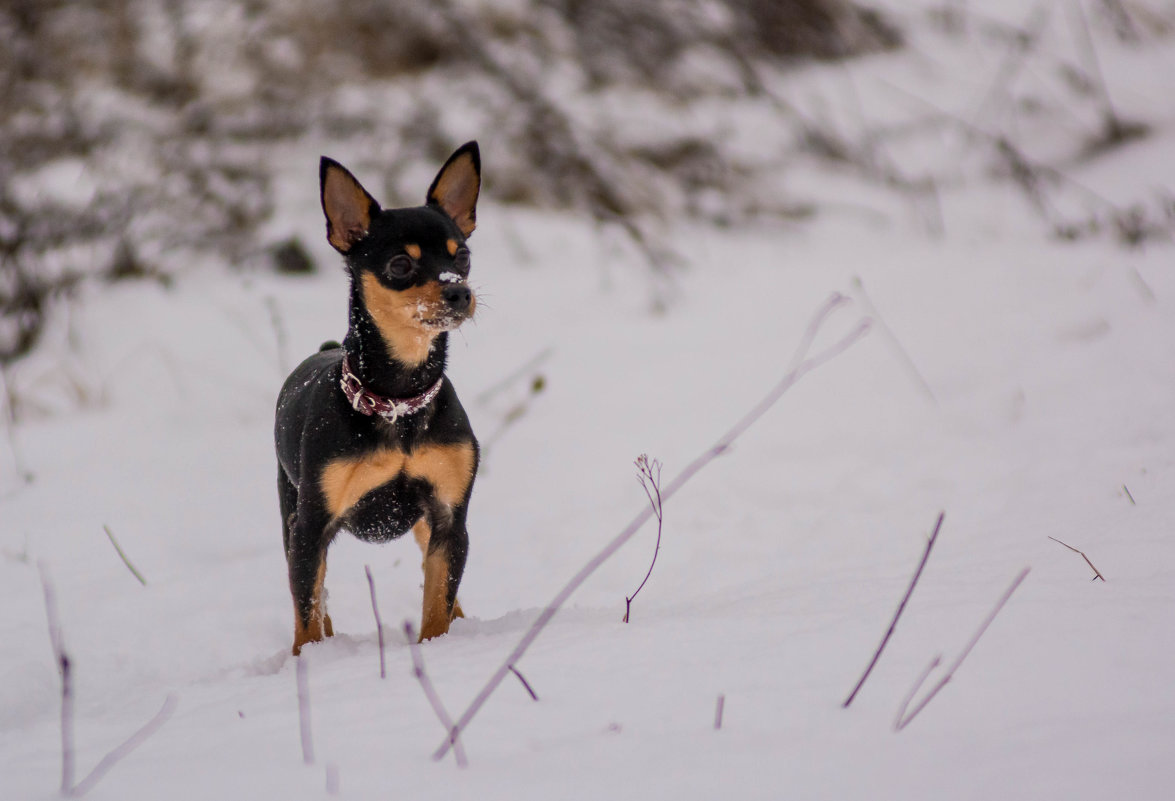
(436, 614)
(451, 246)
(345, 481)
(423, 534)
(319, 624)
(400, 315)
(412, 250)
(448, 468)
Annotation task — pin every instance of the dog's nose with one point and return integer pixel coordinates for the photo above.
(458, 296)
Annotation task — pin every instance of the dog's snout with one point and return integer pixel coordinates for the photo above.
(458, 296)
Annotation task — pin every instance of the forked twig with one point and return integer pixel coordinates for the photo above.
(1096, 573)
(902, 722)
(125, 561)
(649, 475)
(430, 692)
(801, 365)
(922, 677)
(893, 624)
(379, 626)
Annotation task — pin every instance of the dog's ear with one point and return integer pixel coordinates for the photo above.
(346, 204)
(456, 187)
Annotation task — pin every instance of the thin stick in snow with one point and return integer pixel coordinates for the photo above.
(1129, 495)
(379, 626)
(903, 722)
(304, 710)
(902, 353)
(125, 561)
(1096, 573)
(430, 692)
(649, 475)
(893, 624)
(922, 677)
(525, 683)
(718, 707)
(130, 744)
(64, 667)
(801, 365)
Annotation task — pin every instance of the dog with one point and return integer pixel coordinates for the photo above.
(370, 434)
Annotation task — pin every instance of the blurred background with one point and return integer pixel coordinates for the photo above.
(143, 138)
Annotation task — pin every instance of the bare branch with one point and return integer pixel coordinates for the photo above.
(649, 475)
(125, 561)
(801, 365)
(379, 626)
(903, 722)
(893, 624)
(718, 708)
(430, 692)
(1096, 573)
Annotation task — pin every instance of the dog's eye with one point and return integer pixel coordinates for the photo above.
(461, 262)
(400, 266)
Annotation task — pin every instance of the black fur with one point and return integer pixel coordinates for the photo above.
(315, 424)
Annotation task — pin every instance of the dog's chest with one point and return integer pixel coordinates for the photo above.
(388, 488)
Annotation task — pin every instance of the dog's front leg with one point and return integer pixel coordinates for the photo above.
(444, 562)
(306, 560)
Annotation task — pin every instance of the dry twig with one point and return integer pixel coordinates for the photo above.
(525, 683)
(1096, 573)
(893, 624)
(718, 709)
(801, 364)
(129, 744)
(430, 692)
(902, 722)
(379, 626)
(125, 561)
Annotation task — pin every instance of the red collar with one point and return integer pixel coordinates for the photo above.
(391, 409)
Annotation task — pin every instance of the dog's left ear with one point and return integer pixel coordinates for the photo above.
(456, 187)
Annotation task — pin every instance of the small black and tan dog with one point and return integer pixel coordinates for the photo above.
(370, 435)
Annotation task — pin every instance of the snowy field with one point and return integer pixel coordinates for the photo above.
(1047, 410)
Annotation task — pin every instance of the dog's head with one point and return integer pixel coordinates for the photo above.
(411, 265)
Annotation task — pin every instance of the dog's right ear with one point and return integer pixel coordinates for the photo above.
(347, 205)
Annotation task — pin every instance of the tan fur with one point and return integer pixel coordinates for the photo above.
(348, 209)
(456, 192)
(412, 250)
(436, 615)
(451, 245)
(319, 624)
(400, 317)
(423, 534)
(449, 468)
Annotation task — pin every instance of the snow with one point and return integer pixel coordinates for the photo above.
(150, 410)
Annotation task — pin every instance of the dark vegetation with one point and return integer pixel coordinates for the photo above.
(142, 139)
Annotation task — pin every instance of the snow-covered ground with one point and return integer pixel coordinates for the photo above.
(1051, 412)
